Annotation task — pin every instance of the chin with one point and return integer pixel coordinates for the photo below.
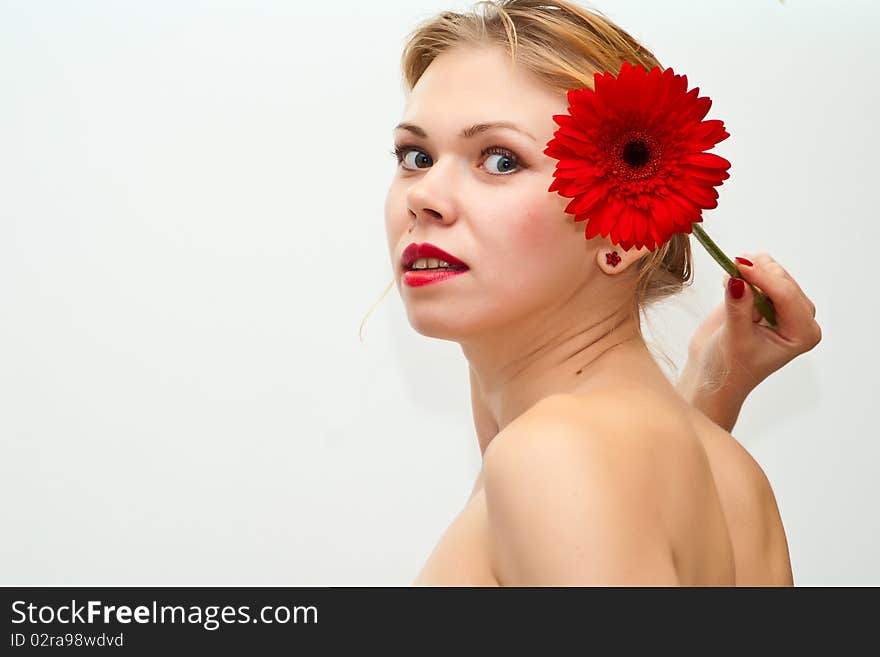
(438, 322)
(435, 327)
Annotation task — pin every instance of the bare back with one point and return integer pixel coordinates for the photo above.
(750, 509)
(727, 528)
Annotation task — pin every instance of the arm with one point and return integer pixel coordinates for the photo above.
(733, 350)
(568, 509)
(719, 400)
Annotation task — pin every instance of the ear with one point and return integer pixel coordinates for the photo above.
(612, 259)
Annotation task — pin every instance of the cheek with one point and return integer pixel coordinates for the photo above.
(548, 239)
(535, 254)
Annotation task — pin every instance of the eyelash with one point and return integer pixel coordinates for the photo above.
(400, 151)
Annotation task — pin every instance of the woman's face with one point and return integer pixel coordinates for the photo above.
(490, 210)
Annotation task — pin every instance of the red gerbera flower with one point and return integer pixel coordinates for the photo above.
(631, 156)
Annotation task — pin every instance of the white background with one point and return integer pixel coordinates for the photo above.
(191, 230)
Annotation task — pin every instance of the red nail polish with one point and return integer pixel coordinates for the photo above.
(736, 286)
(744, 261)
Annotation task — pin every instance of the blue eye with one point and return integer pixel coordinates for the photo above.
(401, 152)
(507, 159)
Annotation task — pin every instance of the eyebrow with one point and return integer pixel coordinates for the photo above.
(470, 131)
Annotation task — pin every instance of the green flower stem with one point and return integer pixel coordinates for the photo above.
(762, 303)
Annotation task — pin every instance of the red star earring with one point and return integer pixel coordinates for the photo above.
(612, 258)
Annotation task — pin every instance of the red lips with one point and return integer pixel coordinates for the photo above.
(427, 250)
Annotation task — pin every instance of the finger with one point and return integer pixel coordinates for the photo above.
(756, 314)
(768, 262)
(802, 343)
(739, 309)
(767, 259)
(794, 309)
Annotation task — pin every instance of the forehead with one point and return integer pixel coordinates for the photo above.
(468, 84)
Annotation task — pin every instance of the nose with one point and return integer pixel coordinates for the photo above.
(429, 198)
(427, 214)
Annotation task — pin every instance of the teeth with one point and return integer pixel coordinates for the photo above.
(429, 263)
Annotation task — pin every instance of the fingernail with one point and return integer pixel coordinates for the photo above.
(736, 286)
(744, 261)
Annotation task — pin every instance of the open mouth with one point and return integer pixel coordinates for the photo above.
(419, 276)
(428, 257)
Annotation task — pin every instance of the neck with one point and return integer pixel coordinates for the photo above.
(512, 373)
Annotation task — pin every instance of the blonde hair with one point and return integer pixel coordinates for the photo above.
(563, 45)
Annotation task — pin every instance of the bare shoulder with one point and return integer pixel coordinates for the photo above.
(635, 423)
(576, 494)
(649, 438)
(606, 488)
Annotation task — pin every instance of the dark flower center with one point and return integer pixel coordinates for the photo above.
(636, 153)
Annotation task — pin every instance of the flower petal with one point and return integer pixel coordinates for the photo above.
(625, 224)
(694, 111)
(663, 222)
(585, 201)
(714, 176)
(594, 226)
(640, 226)
(683, 209)
(707, 160)
(705, 197)
(606, 212)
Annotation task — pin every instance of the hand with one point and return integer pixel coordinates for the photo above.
(735, 349)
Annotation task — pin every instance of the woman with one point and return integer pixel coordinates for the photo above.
(596, 469)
